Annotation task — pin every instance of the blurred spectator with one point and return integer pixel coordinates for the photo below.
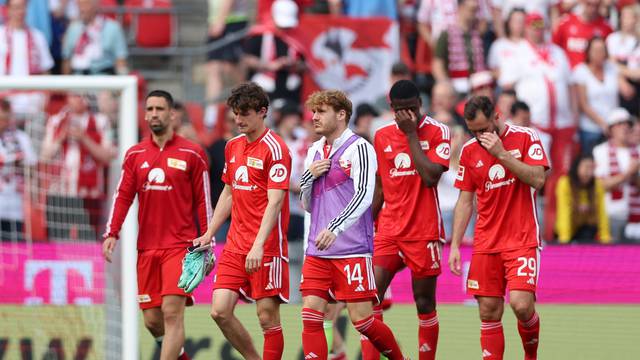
(367, 8)
(507, 48)
(580, 197)
(363, 120)
(78, 149)
(67, 9)
(273, 62)
(575, 30)
(62, 13)
(443, 105)
(223, 63)
(482, 84)
(94, 44)
(459, 51)
(621, 43)
(520, 115)
(182, 124)
(502, 10)
(506, 99)
(24, 51)
(624, 49)
(632, 230)
(617, 164)
(399, 71)
(540, 75)
(288, 127)
(16, 154)
(596, 83)
(216, 160)
(435, 16)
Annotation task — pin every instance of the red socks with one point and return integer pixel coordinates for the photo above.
(492, 340)
(428, 335)
(314, 342)
(369, 351)
(529, 333)
(183, 355)
(380, 336)
(273, 343)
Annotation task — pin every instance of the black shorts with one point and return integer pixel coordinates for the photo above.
(231, 52)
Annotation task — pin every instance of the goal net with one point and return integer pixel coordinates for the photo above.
(62, 142)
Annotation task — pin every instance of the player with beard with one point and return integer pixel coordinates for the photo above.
(162, 169)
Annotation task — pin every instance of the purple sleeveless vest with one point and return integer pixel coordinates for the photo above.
(330, 195)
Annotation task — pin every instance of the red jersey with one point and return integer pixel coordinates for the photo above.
(507, 218)
(252, 168)
(573, 34)
(411, 210)
(172, 185)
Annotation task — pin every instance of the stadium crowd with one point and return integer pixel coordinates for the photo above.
(568, 68)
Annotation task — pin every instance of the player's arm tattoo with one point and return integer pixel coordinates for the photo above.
(532, 175)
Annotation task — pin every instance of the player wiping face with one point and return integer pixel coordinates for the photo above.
(406, 113)
(485, 130)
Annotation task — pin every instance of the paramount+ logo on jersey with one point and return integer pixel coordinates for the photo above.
(496, 174)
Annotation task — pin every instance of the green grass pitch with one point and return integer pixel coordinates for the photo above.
(574, 332)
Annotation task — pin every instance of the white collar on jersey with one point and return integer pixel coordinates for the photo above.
(346, 134)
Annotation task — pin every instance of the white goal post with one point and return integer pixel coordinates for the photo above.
(127, 137)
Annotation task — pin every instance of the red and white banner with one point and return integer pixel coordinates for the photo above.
(349, 54)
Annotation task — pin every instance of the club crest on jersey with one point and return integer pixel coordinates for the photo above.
(156, 177)
(177, 164)
(278, 173)
(345, 165)
(255, 163)
(515, 153)
(401, 161)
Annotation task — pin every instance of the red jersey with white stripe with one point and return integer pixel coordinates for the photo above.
(172, 184)
(507, 218)
(573, 35)
(411, 211)
(250, 169)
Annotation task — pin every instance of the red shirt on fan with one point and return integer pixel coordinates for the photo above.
(573, 34)
(411, 211)
(507, 218)
(172, 185)
(250, 169)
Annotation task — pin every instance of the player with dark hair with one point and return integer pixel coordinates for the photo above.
(503, 166)
(254, 262)
(337, 190)
(412, 153)
(162, 169)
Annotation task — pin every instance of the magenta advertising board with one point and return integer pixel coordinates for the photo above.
(61, 274)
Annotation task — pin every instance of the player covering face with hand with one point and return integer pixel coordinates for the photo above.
(337, 190)
(254, 262)
(413, 152)
(502, 166)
